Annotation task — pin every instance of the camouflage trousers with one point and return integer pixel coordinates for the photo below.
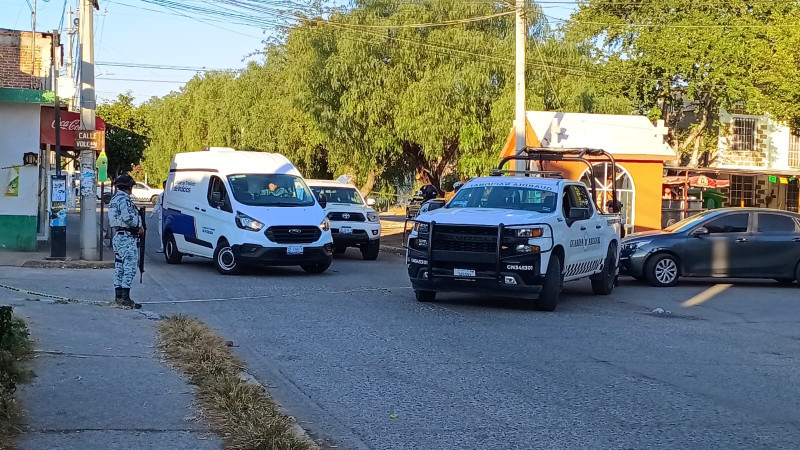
(126, 259)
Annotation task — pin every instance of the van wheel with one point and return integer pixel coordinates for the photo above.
(662, 270)
(371, 250)
(603, 283)
(225, 259)
(171, 253)
(425, 296)
(316, 267)
(551, 286)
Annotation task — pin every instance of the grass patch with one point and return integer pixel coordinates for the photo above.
(242, 413)
(15, 348)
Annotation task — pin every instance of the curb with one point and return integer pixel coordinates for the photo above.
(396, 250)
(79, 264)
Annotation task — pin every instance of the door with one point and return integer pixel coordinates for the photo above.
(217, 215)
(585, 250)
(724, 251)
(776, 246)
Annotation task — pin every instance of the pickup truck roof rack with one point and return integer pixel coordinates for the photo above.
(540, 154)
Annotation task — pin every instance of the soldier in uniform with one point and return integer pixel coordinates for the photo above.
(126, 226)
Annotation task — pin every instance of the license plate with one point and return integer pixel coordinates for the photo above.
(346, 230)
(464, 272)
(294, 250)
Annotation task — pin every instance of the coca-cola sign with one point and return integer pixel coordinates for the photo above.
(70, 123)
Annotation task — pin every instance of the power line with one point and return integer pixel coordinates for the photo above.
(162, 67)
(144, 80)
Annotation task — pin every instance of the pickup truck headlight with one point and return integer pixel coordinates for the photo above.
(372, 217)
(325, 225)
(246, 222)
(528, 232)
(421, 227)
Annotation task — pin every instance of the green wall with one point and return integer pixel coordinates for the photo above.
(18, 233)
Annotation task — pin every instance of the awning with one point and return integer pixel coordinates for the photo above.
(697, 181)
(70, 121)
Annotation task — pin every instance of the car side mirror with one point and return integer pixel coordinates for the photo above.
(578, 213)
(700, 231)
(370, 202)
(323, 200)
(216, 199)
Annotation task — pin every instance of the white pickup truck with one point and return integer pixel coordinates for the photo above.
(520, 236)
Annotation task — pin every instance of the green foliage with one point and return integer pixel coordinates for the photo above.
(14, 347)
(126, 133)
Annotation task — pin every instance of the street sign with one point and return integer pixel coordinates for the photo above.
(90, 140)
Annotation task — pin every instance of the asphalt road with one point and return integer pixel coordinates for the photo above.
(361, 364)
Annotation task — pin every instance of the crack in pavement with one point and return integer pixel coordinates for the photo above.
(86, 355)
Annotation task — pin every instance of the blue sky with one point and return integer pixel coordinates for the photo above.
(131, 31)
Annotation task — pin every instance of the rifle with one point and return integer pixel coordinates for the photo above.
(140, 243)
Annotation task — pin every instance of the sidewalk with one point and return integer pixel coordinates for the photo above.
(39, 257)
(100, 383)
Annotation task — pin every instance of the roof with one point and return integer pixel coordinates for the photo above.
(616, 134)
(329, 183)
(229, 161)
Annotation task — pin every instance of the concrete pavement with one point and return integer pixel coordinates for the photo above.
(100, 382)
(361, 364)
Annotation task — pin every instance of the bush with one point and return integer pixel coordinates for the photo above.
(15, 346)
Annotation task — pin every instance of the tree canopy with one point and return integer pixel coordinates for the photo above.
(126, 133)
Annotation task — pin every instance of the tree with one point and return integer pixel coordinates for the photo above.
(664, 54)
(126, 133)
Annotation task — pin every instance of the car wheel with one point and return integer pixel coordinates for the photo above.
(339, 249)
(225, 259)
(551, 286)
(316, 267)
(370, 251)
(797, 273)
(171, 253)
(662, 270)
(425, 296)
(604, 283)
(154, 200)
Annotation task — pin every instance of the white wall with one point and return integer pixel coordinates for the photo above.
(777, 149)
(19, 131)
(26, 203)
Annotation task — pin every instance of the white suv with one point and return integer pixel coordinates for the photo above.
(353, 222)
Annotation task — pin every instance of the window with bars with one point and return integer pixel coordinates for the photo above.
(792, 195)
(742, 190)
(794, 148)
(744, 134)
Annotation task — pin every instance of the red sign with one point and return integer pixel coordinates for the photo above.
(70, 122)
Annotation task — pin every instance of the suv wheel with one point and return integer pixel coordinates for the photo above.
(551, 286)
(225, 259)
(425, 296)
(371, 250)
(662, 270)
(603, 283)
(316, 267)
(171, 253)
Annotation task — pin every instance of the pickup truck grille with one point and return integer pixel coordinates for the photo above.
(293, 234)
(346, 217)
(459, 238)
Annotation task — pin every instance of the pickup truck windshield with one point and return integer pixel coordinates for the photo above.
(339, 195)
(257, 189)
(505, 197)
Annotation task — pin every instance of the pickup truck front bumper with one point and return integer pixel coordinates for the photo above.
(517, 276)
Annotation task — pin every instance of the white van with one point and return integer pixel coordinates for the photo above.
(241, 208)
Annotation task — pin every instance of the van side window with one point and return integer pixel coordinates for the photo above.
(216, 185)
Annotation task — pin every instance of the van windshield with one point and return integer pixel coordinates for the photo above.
(273, 189)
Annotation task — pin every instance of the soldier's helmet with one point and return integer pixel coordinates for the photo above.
(124, 181)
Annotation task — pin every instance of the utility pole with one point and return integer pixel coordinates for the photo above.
(33, 47)
(89, 236)
(58, 233)
(519, 118)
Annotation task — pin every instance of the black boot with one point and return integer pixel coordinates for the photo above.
(117, 295)
(126, 299)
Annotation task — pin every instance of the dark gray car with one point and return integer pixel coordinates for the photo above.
(728, 242)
